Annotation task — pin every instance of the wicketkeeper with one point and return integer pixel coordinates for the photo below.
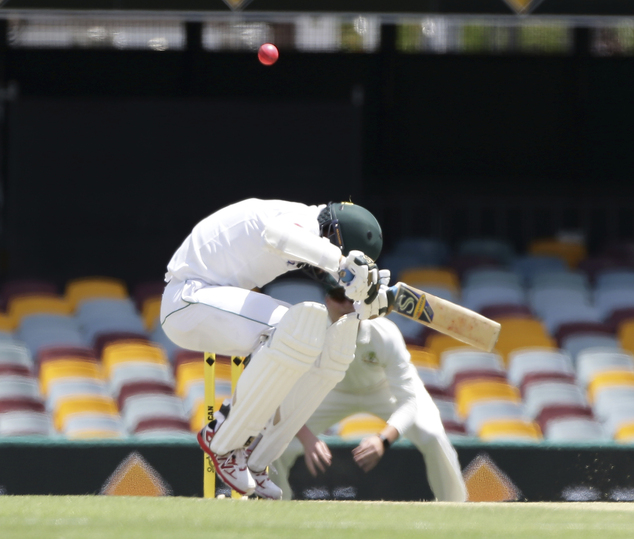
(295, 355)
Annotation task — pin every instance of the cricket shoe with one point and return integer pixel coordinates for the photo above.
(264, 487)
(230, 467)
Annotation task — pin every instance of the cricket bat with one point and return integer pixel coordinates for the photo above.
(444, 316)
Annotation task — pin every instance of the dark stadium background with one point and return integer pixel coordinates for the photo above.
(109, 157)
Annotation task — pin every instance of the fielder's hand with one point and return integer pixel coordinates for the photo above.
(368, 453)
(359, 276)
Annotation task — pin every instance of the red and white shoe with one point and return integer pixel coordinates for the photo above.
(230, 467)
(264, 487)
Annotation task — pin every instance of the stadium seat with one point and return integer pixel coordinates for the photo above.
(605, 380)
(80, 405)
(17, 386)
(538, 396)
(426, 277)
(574, 429)
(25, 287)
(138, 371)
(524, 361)
(68, 369)
(491, 276)
(93, 426)
(92, 287)
(471, 375)
(608, 300)
(13, 353)
(614, 278)
(520, 333)
(478, 297)
(143, 388)
(73, 387)
(25, 423)
(478, 391)
(594, 360)
(568, 329)
(576, 344)
(422, 356)
(607, 402)
(485, 411)
(21, 306)
(161, 428)
(625, 433)
(359, 426)
(573, 280)
(143, 407)
(510, 430)
(104, 339)
(150, 312)
(549, 413)
(126, 351)
(457, 360)
(572, 252)
(529, 265)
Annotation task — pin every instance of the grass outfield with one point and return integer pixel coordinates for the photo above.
(111, 517)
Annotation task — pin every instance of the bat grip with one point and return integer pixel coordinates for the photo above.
(391, 297)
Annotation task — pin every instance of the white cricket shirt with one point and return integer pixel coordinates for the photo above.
(227, 248)
(382, 357)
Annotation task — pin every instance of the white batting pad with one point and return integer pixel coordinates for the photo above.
(273, 370)
(307, 394)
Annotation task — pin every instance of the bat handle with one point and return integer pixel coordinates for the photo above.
(391, 297)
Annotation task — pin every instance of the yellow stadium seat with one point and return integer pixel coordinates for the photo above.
(517, 333)
(438, 343)
(124, 351)
(509, 429)
(150, 312)
(422, 356)
(360, 426)
(467, 393)
(6, 323)
(572, 252)
(186, 374)
(626, 335)
(94, 435)
(21, 306)
(83, 404)
(419, 277)
(78, 290)
(67, 368)
(625, 433)
(607, 379)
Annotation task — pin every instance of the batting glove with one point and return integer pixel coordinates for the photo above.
(373, 308)
(359, 276)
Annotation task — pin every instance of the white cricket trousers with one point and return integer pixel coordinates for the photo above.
(427, 434)
(224, 320)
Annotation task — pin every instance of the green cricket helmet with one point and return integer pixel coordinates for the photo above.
(352, 228)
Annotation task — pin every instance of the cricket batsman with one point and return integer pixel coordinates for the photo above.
(209, 304)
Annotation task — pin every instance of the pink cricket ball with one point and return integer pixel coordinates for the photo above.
(268, 54)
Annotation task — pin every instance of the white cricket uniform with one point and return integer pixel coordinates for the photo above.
(208, 303)
(381, 380)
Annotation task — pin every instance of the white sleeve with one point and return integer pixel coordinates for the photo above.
(401, 374)
(301, 245)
